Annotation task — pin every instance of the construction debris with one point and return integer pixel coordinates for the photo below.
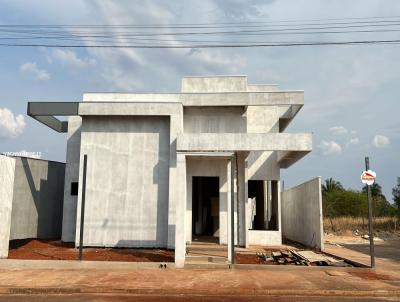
(304, 258)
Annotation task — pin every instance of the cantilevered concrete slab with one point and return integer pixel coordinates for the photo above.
(244, 142)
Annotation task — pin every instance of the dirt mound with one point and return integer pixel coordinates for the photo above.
(57, 250)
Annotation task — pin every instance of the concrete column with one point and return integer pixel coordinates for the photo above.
(176, 127)
(71, 175)
(229, 207)
(279, 217)
(242, 199)
(180, 201)
(7, 171)
(246, 201)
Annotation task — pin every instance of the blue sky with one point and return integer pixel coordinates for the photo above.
(351, 92)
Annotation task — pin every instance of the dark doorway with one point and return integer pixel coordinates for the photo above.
(205, 206)
(256, 190)
(264, 210)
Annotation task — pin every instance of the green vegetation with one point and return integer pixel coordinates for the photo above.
(396, 196)
(338, 202)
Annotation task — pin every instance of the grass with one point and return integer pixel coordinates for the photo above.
(347, 223)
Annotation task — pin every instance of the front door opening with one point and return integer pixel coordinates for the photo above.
(205, 207)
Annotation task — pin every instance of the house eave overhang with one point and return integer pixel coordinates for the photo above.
(46, 112)
(232, 142)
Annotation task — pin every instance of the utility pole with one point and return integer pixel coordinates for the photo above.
(370, 226)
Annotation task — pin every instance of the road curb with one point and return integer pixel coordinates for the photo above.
(194, 292)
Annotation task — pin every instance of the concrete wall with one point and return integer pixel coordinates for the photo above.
(214, 84)
(302, 214)
(71, 175)
(37, 199)
(127, 181)
(266, 238)
(214, 120)
(7, 170)
(263, 165)
(263, 119)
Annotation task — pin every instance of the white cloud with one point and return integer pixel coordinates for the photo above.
(353, 141)
(381, 141)
(10, 126)
(338, 130)
(31, 68)
(70, 58)
(330, 147)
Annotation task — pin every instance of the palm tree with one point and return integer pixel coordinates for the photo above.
(331, 185)
(376, 190)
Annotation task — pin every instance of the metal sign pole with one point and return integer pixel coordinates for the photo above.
(82, 207)
(371, 234)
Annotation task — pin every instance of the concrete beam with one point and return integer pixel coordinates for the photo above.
(262, 87)
(238, 98)
(287, 158)
(125, 109)
(115, 97)
(44, 112)
(191, 142)
(52, 122)
(243, 98)
(53, 108)
(288, 116)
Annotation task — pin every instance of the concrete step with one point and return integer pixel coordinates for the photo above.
(205, 259)
(205, 248)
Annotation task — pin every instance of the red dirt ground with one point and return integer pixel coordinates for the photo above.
(56, 250)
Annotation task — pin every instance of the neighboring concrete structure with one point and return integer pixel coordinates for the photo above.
(37, 199)
(31, 199)
(160, 165)
(302, 219)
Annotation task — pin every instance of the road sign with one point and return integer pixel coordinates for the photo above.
(368, 177)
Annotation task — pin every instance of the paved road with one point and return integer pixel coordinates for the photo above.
(66, 281)
(124, 298)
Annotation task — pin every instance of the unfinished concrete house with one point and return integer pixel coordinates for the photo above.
(166, 169)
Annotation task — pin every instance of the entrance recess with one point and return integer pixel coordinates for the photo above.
(205, 208)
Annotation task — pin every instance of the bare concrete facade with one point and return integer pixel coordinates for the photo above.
(159, 165)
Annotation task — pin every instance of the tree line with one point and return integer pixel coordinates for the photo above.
(338, 201)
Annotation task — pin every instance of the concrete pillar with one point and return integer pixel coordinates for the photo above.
(246, 202)
(242, 199)
(176, 126)
(71, 175)
(7, 171)
(180, 202)
(229, 207)
(279, 222)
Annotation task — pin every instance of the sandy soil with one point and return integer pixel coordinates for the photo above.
(388, 247)
(56, 250)
(352, 238)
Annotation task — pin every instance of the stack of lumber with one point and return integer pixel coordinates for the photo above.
(305, 258)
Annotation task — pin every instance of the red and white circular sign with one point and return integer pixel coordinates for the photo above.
(368, 177)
